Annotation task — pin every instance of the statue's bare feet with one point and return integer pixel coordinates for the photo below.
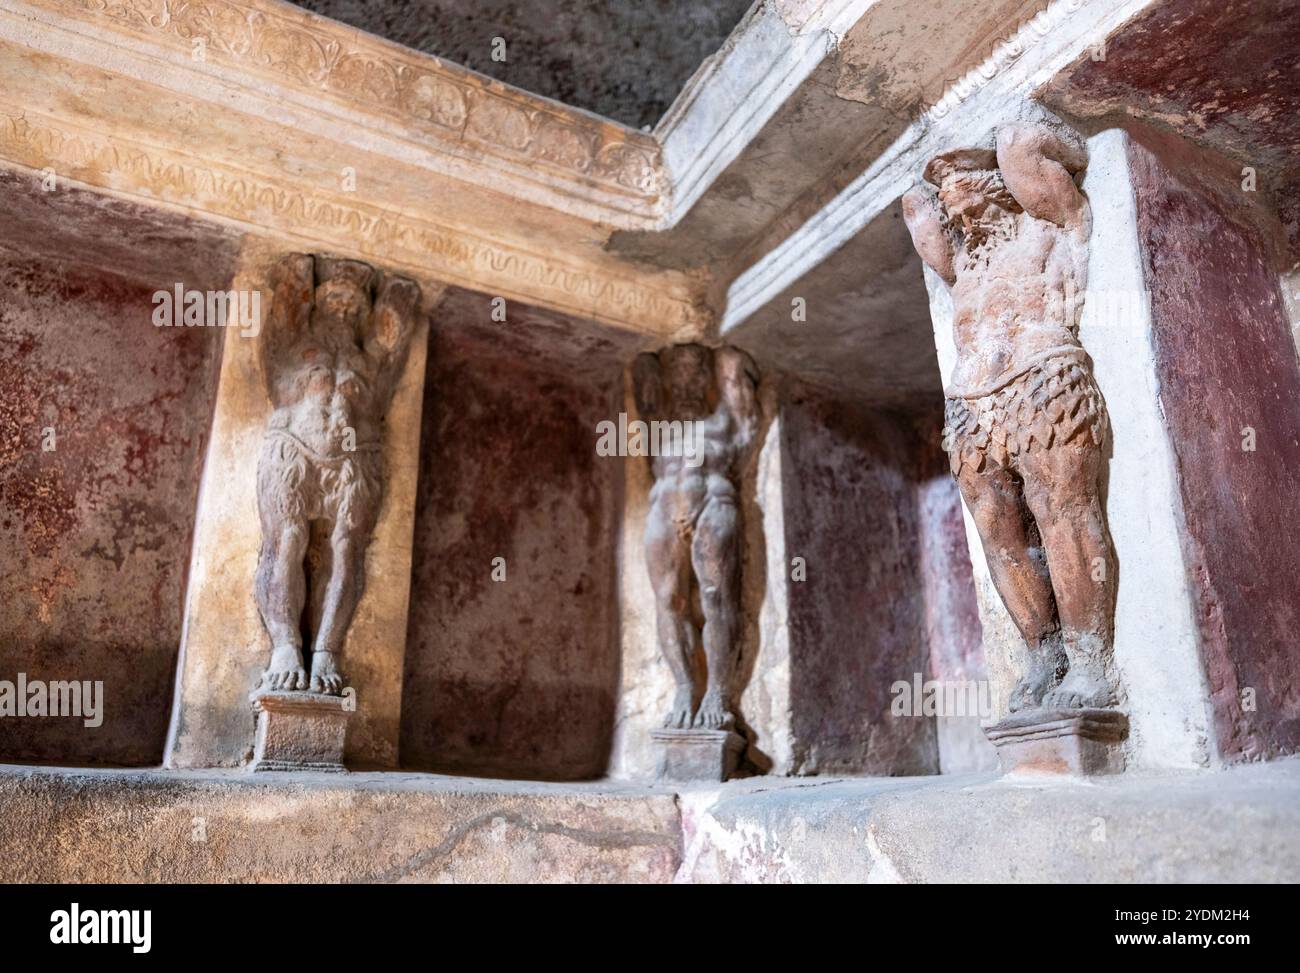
(325, 676)
(1030, 691)
(679, 716)
(713, 713)
(1046, 666)
(1083, 687)
(285, 673)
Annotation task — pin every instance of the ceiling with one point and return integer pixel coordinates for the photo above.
(624, 59)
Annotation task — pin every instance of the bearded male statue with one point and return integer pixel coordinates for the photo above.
(332, 352)
(1007, 229)
(693, 530)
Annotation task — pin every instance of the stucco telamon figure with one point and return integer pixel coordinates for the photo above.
(331, 352)
(1007, 229)
(693, 530)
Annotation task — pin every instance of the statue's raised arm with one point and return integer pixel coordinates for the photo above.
(1039, 163)
(737, 378)
(293, 284)
(934, 242)
(388, 331)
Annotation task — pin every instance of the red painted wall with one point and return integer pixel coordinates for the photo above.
(858, 623)
(514, 678)
(1225, 361)
(95, 534)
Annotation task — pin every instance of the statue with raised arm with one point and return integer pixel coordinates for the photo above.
(1007, 229)
(331, 354)
(693, 530)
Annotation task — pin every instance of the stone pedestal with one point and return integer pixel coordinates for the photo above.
(1084, 742)
(300, 731)
(697, 755)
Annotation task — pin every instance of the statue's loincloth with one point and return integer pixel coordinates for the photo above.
(301, 483)
(1049, 402)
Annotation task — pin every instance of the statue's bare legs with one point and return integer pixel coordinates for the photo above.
(1045, 540)
(668, 557)
(1063, 491)
(342, 593)
(1013, 549)
(281, 587)
(281, 590)
(715, 558)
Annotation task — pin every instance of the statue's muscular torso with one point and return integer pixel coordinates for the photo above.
(326, 395)
(1016, 296)
(682, 491)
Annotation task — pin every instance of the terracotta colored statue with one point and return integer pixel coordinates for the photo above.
(693, 531)
(331, 353)
(1008, 232)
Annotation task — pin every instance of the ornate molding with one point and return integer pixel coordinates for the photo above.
(345, 225)
(725, 105)
(294, 47)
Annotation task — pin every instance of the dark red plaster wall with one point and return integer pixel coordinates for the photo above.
(95, 535)
(953, 631)
(858, 623)
(515, 678)
(1218, 72)
(1225, 360)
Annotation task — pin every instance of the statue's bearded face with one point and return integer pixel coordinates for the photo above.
(969, 195)
(690, 377)
(342, 301)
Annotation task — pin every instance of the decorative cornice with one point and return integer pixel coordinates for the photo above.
(458, 109)
(727, 102)
(268, 204)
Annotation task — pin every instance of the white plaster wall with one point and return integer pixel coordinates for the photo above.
(1156, 642)
(1157, 645)
(765, 700)
(646, 685)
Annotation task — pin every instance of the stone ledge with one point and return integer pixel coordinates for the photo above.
(1237, 825)
(62, 825)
